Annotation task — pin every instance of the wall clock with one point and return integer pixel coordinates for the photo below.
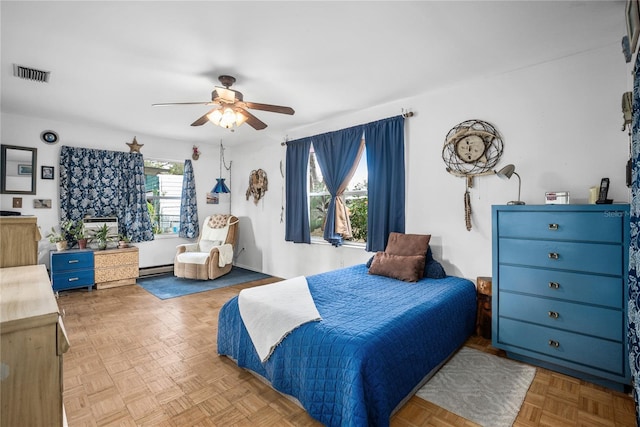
(471, 148)
(49, 137)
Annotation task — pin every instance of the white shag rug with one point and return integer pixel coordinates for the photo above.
(483, 388)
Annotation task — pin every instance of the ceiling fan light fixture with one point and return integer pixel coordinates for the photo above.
(228, 118)
(214, 117)
(240, 118)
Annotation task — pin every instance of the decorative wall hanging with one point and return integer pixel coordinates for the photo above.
(471, 148)
(49, 137)
(134, 147)
(195, 155)
(258, 185)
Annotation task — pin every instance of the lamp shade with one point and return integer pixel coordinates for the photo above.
(506, 172)
(220, 186)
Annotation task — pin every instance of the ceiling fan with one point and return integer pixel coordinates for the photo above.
(230, 108)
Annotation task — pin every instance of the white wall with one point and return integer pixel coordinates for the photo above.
(561, 126)
(560, 122)
(25, 131)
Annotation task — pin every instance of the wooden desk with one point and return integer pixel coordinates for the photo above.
(33, 341)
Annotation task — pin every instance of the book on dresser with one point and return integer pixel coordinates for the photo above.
(560, 277)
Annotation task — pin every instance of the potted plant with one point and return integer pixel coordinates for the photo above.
(123, 241)
(60, 238)
(101, 235)
(80, 234)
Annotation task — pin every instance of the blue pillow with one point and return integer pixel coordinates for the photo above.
(434, 270)
(368, 264)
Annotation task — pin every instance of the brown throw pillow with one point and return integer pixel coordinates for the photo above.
(407, 244)
(406, 268)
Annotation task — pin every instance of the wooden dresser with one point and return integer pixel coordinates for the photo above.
(33, 342)
(116, 267)
(19, 237)
(560, 288)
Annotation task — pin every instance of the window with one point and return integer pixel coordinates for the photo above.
(163, 183)
(355, 198)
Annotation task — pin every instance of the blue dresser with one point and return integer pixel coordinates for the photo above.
(72, 269)
(560, 288)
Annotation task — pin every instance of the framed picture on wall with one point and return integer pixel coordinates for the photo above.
(46, 172)
(632, 12)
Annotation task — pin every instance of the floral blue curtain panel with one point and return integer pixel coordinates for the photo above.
(189, 226)
(634, 245)
(105, 183)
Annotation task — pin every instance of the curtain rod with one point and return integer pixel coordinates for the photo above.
(405, 113)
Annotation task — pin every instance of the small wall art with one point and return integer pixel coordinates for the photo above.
(212, 199)
(42, 203)
(46, 172)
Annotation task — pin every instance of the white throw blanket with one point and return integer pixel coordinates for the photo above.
(271, 312)
(225, 255)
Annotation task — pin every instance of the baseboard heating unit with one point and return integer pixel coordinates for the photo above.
(156, 270)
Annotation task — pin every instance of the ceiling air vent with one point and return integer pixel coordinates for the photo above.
(31, 73)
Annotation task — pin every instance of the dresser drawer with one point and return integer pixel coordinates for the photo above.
(588, 226)
(71, 261)
(571, 348)
(585, 319)
(72, 279)
(578, 287)
(586, 257)
(111, 274)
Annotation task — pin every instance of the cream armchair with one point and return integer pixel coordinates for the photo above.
(212, 256)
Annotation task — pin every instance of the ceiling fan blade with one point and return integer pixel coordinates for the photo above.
(204, 119)
(252, 120)
(269, 107)
(167, 104)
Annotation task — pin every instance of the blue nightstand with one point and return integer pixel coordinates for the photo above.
(72, 269)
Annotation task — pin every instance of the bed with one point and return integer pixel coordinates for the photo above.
(378, 341)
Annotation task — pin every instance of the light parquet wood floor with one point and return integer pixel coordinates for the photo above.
(136, 360)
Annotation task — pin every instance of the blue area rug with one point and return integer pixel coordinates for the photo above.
(169, 286)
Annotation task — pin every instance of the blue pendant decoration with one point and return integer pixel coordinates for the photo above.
(220, 186)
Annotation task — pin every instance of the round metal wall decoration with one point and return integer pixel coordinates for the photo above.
(471, 148)
(49, 137)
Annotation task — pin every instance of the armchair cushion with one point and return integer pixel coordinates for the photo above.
(206, 245)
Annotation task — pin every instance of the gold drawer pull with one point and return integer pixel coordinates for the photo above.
(553, 227)
(554, 285)
(553, 255)
(554, 314)
(554, 344)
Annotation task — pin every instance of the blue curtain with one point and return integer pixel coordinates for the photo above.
(336, 153)
(297, 211)
(384, 140)
(105, 183)
(189, 226)
(634, 244)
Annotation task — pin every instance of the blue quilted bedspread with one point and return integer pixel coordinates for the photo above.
(377, 340)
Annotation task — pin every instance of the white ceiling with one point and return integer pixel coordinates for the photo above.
(110, 61)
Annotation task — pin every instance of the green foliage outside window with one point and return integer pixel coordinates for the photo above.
(358, 216)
